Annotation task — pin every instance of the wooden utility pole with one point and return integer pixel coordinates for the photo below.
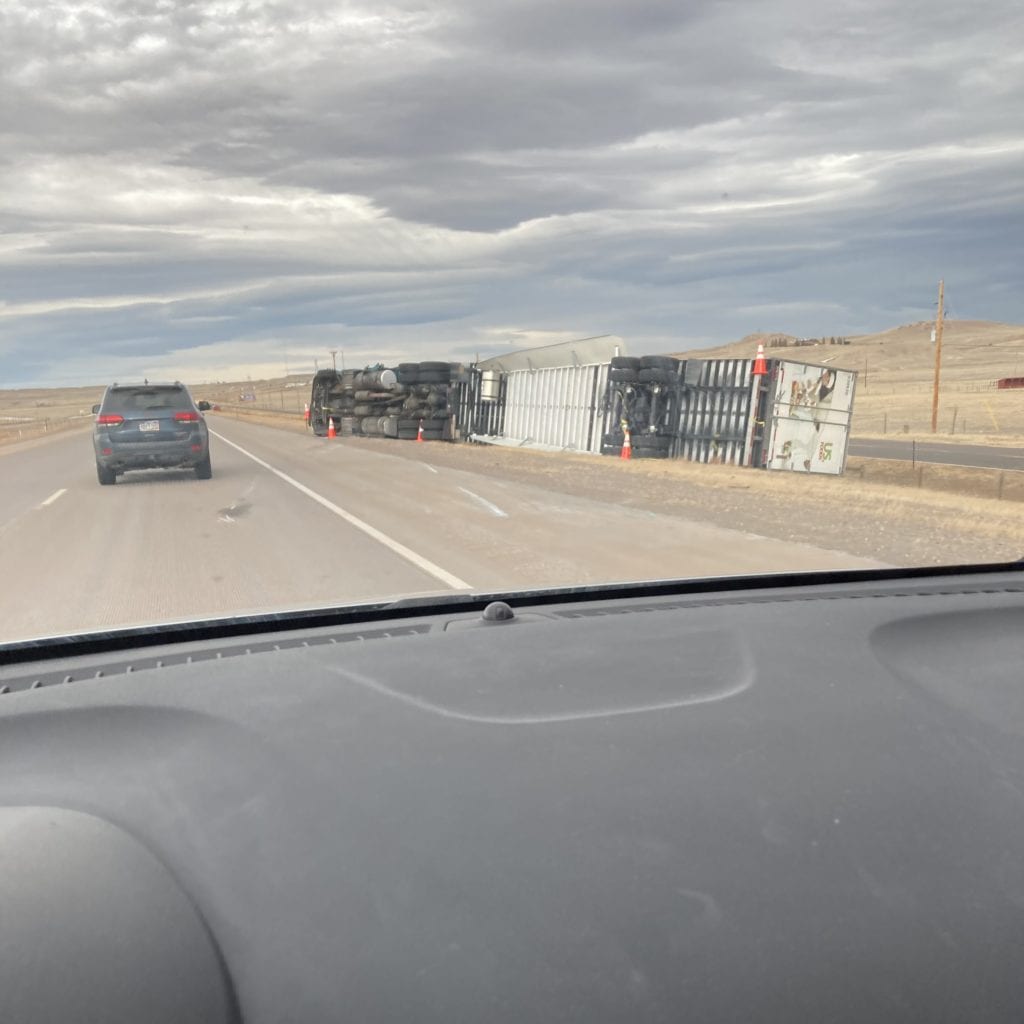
(938, 362)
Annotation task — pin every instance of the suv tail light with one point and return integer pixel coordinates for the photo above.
(186, 417)
(109, 420)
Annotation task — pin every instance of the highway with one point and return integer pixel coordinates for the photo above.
(292, 521)
(971, 455)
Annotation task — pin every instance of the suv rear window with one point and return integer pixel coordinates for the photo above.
(146, 398)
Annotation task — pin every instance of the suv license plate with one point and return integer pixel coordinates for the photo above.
(149, 425)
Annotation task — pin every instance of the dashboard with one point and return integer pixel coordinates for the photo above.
(721, 800)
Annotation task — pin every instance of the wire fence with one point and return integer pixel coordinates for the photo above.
(15, 429)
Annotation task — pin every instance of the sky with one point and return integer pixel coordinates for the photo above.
(213, 189)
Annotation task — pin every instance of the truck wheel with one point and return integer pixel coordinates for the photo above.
(659, 363)
(654, 375)
(624, 376)
(654, 442)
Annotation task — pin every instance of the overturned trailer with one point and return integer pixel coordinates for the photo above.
(768, 413)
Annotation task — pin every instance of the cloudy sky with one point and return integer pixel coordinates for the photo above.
(213, 188)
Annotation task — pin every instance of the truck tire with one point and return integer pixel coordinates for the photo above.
(625, 363)
(659, 363)
(623, 376)
(653, 375)
(652, 442)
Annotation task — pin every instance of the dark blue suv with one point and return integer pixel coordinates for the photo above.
(149, 426)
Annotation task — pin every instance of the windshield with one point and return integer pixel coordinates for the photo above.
(145, 399)
(500, 296)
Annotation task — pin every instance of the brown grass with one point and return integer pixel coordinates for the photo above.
(291, 421)
(896, 375)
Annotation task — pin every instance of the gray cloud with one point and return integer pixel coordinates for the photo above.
(201, 180)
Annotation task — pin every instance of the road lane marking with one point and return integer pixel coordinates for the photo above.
(489, 505)
(427, 466)
(399, 549)
(53, 497)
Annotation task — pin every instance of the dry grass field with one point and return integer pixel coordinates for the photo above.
(34, 412)
(895, 374)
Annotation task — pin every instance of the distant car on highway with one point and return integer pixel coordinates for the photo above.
(149, 426)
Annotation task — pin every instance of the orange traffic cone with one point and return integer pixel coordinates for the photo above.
(760, 366)
(627, 448)
(419, 434)
(331, 432)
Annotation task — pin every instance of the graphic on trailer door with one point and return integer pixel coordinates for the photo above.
(812, 418)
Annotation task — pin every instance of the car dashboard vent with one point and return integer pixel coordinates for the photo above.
(130, 666)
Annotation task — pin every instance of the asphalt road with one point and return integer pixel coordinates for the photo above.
(971, 455)
(293, 521)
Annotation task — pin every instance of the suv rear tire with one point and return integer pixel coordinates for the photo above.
(204, 470)
(105, 476)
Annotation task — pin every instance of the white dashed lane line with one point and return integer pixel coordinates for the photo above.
(53, 497)
(489, 505)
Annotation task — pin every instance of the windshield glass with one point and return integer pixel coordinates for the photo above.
(499, 296)
(144, 399)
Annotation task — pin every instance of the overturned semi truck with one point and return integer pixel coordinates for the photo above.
(432, 400)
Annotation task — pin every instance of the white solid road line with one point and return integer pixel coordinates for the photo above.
(53, 497)
(489, 505)
(401, 550)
